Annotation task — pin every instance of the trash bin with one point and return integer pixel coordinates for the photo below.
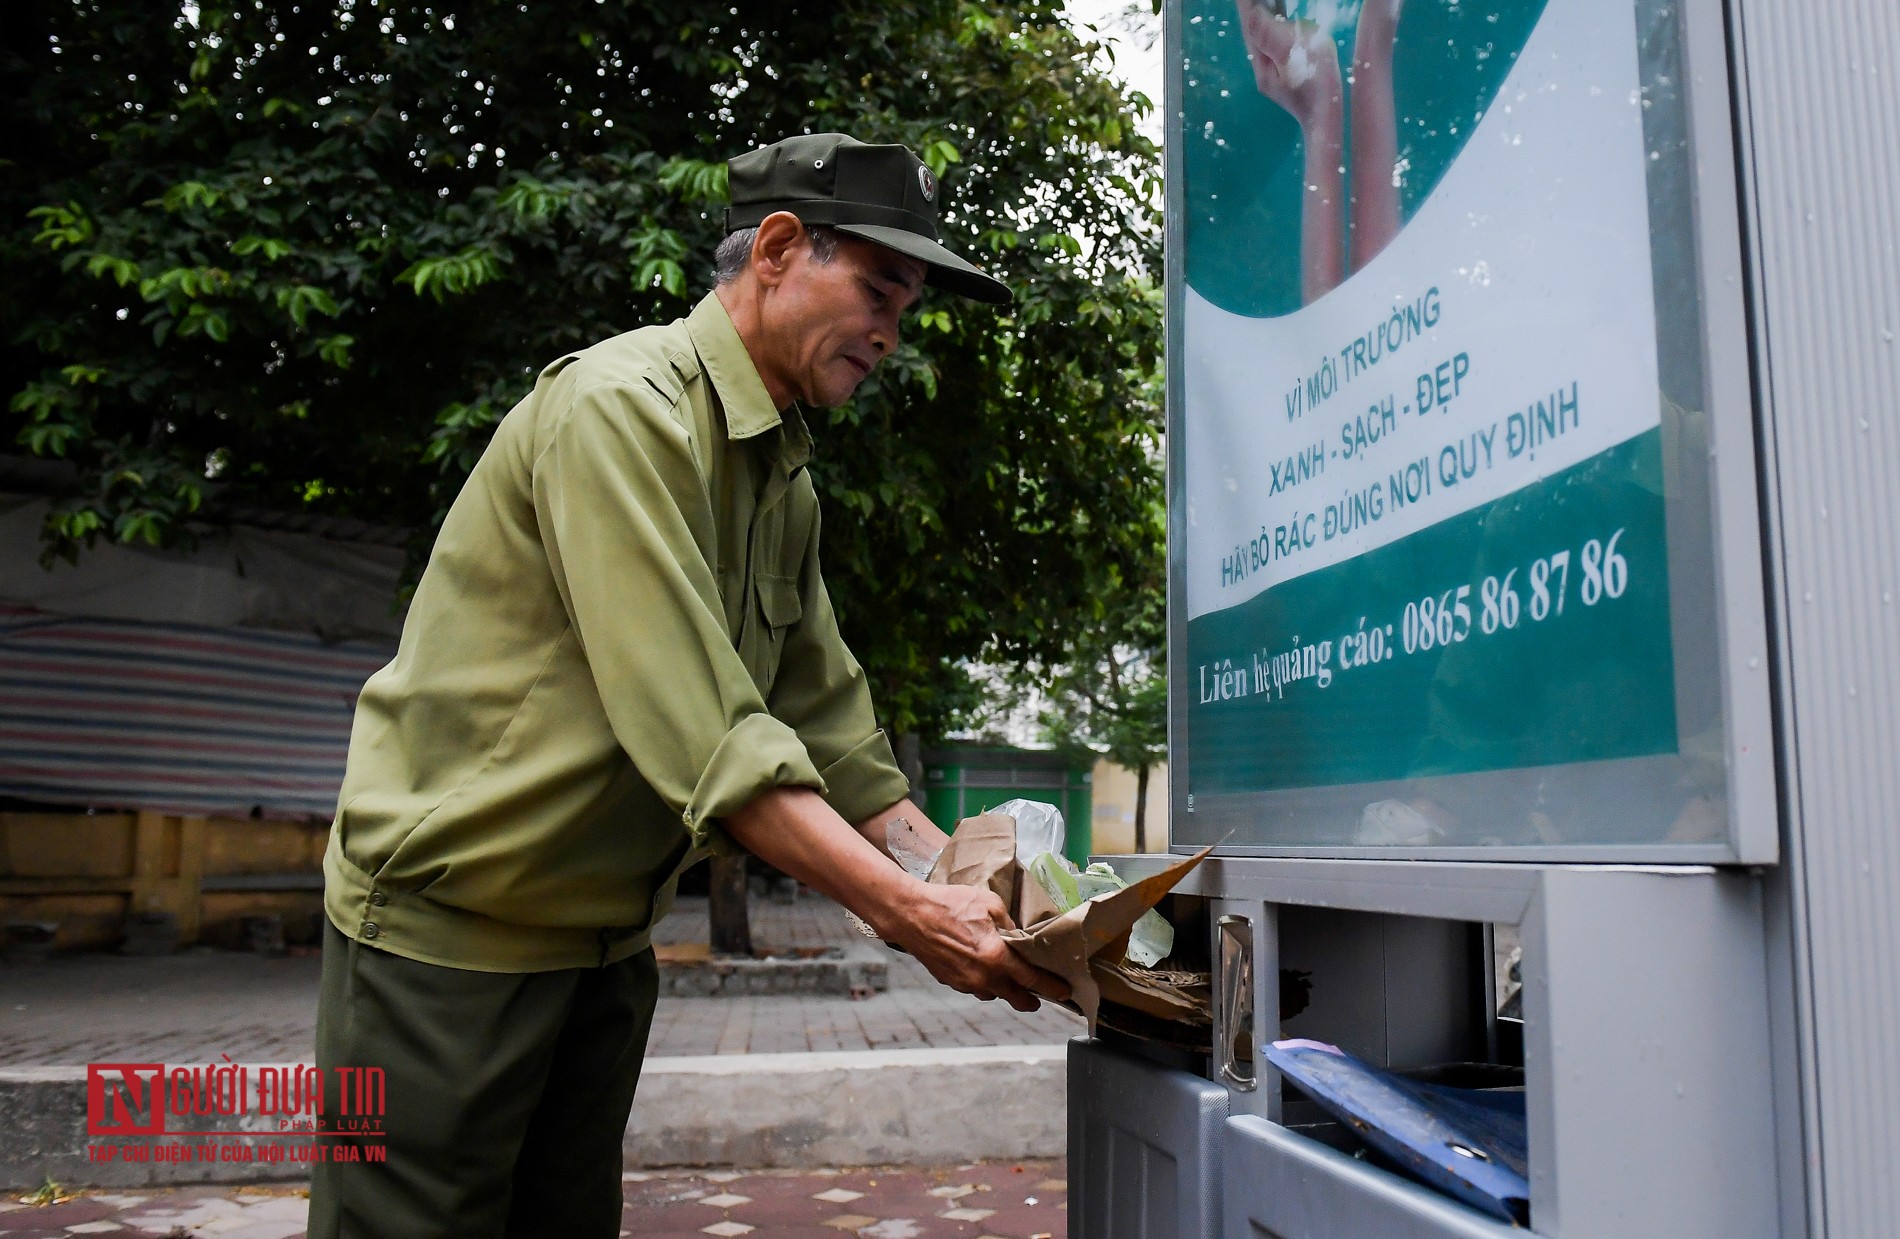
(967, 779)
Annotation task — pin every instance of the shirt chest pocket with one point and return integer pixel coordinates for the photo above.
(778, 600)
(780, 608)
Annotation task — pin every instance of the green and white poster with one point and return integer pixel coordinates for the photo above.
(1421, 489)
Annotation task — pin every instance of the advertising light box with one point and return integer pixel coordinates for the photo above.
(1463, 537)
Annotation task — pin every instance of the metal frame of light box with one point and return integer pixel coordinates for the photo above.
(1735, 518)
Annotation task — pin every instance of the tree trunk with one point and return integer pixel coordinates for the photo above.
(1141, 809)
(910, 759)
(726, 907)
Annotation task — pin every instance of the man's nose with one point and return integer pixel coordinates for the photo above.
(888, 330)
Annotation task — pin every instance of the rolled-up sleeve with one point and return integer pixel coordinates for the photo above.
(624, 517)
(822, 693)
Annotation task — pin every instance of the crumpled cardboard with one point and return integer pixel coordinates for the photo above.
(1085, 945)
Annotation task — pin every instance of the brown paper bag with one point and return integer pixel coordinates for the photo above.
(1083, 946)
(982, 852)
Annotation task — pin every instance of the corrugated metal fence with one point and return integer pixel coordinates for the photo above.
(176, 718)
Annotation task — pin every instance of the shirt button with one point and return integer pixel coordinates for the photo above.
(377, 899)
(370, 930)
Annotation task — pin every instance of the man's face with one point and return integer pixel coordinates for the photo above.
(832, 322)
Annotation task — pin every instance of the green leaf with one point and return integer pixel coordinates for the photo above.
(661, 273)
(61, 225)
(179, 286)
(939, 155)
(40, 401)
(122, 270)
(187, 195)
(47, 438)
(140, 525)
(453, 274)
(336, 350)
(694, 180)
(300, 300)
(530, 200)
(82, 524)
(270, 247)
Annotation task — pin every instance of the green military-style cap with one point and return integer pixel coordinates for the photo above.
(881, 193)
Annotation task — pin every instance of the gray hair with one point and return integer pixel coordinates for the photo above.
(736, 250)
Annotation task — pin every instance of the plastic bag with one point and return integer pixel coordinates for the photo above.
(1039, 828)
(907, 848)
(1056, 876)
(1151, 939)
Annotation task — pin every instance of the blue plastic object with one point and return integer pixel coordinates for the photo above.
(1468, 1143)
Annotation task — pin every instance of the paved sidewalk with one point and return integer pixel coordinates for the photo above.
(914, 1013)
(201, 1004)
(1020, 1200)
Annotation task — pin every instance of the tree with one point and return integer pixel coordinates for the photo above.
(728, 917)
(305, 255)
(1109, 698)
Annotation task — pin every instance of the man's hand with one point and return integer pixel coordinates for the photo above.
(951, 930)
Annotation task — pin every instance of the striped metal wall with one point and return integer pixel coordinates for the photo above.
(175, 717)
(1822, 85)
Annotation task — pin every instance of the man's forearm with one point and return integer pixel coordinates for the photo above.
(952, 930)
(795, 831)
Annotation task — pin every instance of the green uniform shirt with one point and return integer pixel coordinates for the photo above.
(621, 637)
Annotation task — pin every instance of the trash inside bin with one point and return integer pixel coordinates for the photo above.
(1466, 1142)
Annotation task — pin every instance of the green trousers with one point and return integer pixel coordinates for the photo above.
(507, 1096)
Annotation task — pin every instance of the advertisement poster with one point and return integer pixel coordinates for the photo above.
(1422, 487)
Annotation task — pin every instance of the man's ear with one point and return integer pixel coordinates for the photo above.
(780, 235)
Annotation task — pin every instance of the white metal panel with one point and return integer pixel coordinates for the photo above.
(1822, 92)
(1647, 1056)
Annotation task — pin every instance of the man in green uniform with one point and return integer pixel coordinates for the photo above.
(621, 651)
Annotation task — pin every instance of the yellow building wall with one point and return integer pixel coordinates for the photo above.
(1114, 801)
(85, 872)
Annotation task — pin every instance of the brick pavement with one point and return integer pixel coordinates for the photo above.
(915, 1013)
(1021, 1200)
(204, 1003)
